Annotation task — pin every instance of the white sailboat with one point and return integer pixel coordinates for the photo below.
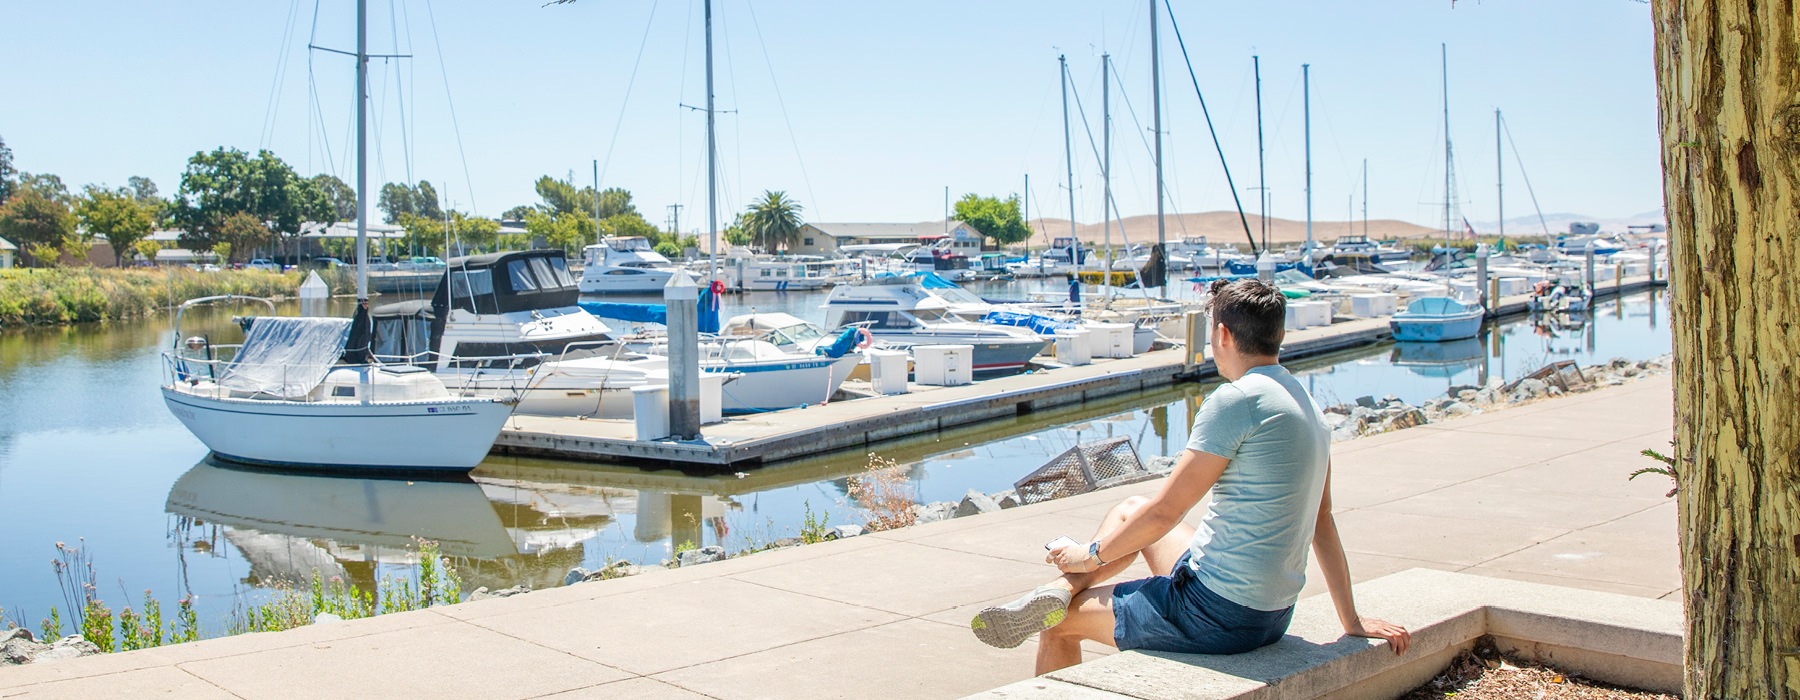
(303, 392)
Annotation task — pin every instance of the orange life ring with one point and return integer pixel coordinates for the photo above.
(866, 338)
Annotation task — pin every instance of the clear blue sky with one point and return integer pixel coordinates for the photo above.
(861, 111)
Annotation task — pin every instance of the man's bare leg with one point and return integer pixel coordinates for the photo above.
(1090, 613)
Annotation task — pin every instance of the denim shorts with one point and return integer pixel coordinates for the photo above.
(1176, 613)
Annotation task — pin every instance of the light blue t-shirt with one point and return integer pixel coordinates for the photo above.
(1251, 547)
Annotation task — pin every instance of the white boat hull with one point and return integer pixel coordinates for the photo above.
(608, 280)
(440, 435)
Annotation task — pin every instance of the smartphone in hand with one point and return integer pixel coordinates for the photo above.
(1060, 542)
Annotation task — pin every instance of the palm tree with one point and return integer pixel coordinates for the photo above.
(774, 221)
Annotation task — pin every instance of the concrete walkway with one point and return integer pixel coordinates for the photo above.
(1535, 492)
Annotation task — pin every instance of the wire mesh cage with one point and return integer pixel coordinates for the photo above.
(1086, 467)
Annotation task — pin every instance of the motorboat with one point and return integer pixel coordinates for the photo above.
(791, 334)
(900, 311)
(1358, 245)
(624, 265)
(749, 271)
(1560, 297)
(1436, 319)
(302, 393)
(507, 325)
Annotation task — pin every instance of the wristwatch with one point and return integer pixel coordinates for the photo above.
(1094, 553)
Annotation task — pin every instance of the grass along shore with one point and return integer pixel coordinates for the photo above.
(58, 296)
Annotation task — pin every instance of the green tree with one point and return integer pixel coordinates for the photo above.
(225, 182)
(9, 178)
(567, 231)
(481, 233)
(240, 233)
(419, 200)
(48, 185)
(118, 215)
(562, 197)
(774, 221)
(517, 213)
(339, 195)
(997, 219)
(144, 190)
(42, 227)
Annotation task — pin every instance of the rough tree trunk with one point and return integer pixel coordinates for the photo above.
(1728, 81)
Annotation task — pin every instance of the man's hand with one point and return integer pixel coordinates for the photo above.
(1072, 559)
(1382, 629)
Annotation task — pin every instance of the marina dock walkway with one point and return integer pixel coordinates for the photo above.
(1535, 492)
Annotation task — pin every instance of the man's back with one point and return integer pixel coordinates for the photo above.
(1251, 547)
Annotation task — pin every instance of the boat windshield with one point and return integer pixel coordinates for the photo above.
(629, 245)
(797, 334)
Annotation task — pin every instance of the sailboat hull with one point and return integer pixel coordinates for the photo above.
(442, 435)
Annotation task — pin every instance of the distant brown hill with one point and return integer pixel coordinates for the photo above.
(1224, 227)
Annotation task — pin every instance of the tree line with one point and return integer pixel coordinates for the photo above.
(236, 205)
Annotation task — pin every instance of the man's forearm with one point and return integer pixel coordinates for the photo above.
(1329, 551)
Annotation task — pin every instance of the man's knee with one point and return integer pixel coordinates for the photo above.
(1130, 505)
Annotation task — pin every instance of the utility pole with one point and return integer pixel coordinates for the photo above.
(675, 219)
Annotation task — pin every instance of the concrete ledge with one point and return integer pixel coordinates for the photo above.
(1614, 638)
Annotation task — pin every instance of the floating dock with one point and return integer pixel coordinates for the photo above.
(748, 441)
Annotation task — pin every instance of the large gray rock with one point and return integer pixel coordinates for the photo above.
(575, 575)
(1008, 499)
(18, 647)
(843, 531)
(483, 593)
(1529, 389)
(933, 512)
(703, 555)
(1406, 419)
(975, 503)
(1456, 408)
(1365, 401)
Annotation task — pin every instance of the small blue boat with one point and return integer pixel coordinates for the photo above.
(1436, 319)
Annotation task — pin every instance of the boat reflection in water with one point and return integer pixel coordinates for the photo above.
(1440, 360)
(510, 525)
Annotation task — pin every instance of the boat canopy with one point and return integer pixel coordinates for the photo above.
(655, 313)
(1436, 306)
(286, 357)
(499, 283)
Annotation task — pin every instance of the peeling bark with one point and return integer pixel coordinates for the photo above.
(1728, 84)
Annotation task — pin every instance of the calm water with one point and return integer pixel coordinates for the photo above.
(88, 451)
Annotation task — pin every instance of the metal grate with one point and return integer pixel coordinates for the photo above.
(1083, 468)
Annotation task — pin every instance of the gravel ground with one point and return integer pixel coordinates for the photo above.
(1484, 674)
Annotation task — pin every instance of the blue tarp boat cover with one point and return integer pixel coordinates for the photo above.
(656, 313)
(1041, 325)
(837, 348)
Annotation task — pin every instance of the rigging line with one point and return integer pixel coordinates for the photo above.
(281, 60)
(1534, 203)
(312, 106)
(687, 43)
(1236, 200)
(436, 43)
(400, 95)
(782, 103)
(1106, 208)
(412, 86)
(619, 126)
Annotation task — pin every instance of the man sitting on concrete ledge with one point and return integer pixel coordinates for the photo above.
(1261, 446)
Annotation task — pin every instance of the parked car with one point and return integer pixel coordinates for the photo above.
(419, 263)
(264, 264)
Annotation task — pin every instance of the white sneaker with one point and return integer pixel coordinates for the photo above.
(1007, 626)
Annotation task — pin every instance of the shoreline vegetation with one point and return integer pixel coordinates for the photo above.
(63, 296)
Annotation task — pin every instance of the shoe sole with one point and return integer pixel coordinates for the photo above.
(1004, 628)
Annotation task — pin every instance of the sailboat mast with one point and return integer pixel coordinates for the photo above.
(1106, 159)
(1306, 103)
(1062, 63)
(1365, 198)
(1445, 51)
(712, 155)
(1262, 183)
(1499, 176)
(1156, 121)
(362, 151)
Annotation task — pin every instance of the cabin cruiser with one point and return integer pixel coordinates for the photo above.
(755, 272)
(1358, 245)
(624, 265)
(507, 325)
(900, 311)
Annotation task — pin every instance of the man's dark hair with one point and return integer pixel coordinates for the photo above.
(1254, 311)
